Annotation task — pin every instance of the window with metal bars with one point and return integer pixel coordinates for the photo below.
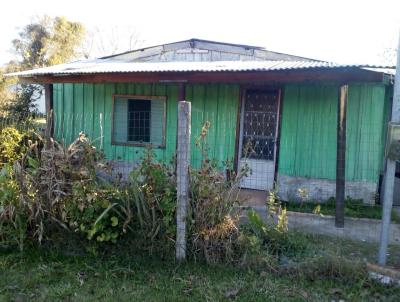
(139, 120)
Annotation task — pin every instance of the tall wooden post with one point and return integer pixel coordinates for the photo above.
(182, 173)
(341, 156)
(48, 96)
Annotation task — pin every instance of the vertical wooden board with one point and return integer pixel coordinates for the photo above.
(161, 90)
(223, 100)
(211, 114)
(306, 108)
(139, 88)
(302, 133)
(148, 89)
(79, 111)
(230, 119)
(131, 88)
(317, 165)
(99, 91)
(288, 124)
(365, 134)
(68, 112)
(377, 144)
(310, 100)
(365, 123)
(189, 96)
(109, 149)
(198, 92)
(121, 152)
(386, 117)
(87, 102)
(352, 135)
(58, 110)
(172, 121)
(330, 127)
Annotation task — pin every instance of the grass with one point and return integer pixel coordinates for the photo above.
(353, 208)
(126, 275)
(40, 123)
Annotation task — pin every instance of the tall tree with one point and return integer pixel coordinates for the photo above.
(47, 42)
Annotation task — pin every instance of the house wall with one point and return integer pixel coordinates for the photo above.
(307, 155)
(308, 140)
(88, 108)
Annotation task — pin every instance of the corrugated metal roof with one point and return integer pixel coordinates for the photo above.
(106, 66)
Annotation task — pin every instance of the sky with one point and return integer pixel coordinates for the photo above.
(352, 31)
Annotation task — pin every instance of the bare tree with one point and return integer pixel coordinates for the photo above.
(102, 41)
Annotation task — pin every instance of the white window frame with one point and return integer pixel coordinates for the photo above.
(140, 97)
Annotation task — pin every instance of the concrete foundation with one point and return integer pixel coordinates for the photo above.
(323, 189)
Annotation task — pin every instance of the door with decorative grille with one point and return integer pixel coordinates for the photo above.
(258, 136)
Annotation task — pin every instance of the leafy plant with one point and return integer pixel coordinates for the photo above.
(10, 147)
(273, 235)
(214, 224)
(98, 211)
(153, 189)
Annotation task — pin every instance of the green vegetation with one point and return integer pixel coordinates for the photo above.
(46, 41)
(353, 208)
(124, 274)
(82, 233)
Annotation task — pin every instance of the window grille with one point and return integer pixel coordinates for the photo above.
(139, 120)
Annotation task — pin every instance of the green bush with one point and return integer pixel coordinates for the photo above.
(97, 212)
(152, 190)
(51, 190)
(11, 147)
(57, 188)
(13, 215)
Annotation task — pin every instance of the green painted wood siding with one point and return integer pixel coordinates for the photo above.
(308, 131)
(88, 108)
(217, 104)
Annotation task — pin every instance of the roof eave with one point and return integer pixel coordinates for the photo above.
(342, 75)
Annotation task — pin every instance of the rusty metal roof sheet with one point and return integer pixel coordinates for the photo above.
(100, 66)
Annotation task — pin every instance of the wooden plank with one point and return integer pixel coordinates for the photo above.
(68, 113)
(182, 175)
(109, 149)
(48, 94)
(341, 156)
(79, 109)
(259, 77)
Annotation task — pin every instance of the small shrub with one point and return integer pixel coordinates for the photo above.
(13, 220)
(11, 147)
(214, 224)
(152, 187)
(57, 188)
(274, 236)
(97, 211)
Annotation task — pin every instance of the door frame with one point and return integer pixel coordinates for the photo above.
(239, 124)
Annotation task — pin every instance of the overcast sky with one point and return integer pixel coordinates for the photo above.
(352, 31)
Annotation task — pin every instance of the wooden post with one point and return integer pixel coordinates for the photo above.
(182, 174)
(48, 96)
(390, 172)
(341, 156)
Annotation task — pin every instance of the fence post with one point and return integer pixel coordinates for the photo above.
(182, 174)
(48, 96)
(341, 156)
(390, 172)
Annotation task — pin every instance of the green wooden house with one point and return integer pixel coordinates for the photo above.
(275, 112)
